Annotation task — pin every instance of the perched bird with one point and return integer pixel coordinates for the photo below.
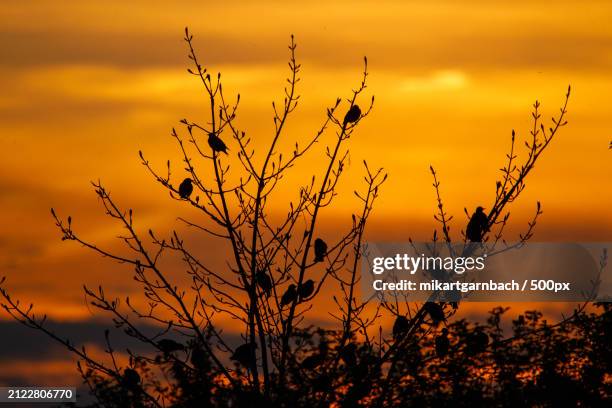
(289, 296)
(306, 289)
(264, 281)
(316, 359)
(169, 346)
(353, 114)
(130, 379)
(185, 189)
(477, 342)
(320, 248)
(442, 343)
(348, 354)
(482, 339)
(216, 143)
(477, 226)
(199, 358)
(435, 312)
(312, 361)
(245, 355)
(400, 327)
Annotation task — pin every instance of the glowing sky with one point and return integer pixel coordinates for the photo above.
(85, 86)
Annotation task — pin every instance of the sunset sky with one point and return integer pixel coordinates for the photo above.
(85, 86)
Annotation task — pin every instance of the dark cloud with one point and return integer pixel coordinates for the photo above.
(22, 343)
(125, 50)
(404, 50)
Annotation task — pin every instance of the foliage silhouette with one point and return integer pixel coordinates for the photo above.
(277, 270)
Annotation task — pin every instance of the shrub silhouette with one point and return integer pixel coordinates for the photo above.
(274, 278)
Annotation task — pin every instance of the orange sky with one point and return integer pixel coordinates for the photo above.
(86, 86)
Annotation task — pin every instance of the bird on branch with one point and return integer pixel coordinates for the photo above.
(131, 379)
(320, 248)
(348, 354)
(400, 327)
(306, 289)
(289, 296)
(442, 343)
(170, 346)
(353, 115)
(477, 342)
(478, 226)
(185, 189)
(264, 281)
(199, 358)
(216, 143)
(435, 312)
(245, 355)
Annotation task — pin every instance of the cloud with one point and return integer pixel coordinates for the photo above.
(21, 343)
(475, 36)
(28, 355)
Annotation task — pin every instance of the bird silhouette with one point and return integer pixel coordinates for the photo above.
(477, 342)
(400, 327)
(185, 189)
(442, 343)
(216, 143)
(348, 354)
(245, 355)
(477, 226)
(170, 346)
(130, 379)
(435, 312)
(320, 248)
(312, 361)
(316, 359)
(264, 281)
(306, 289)
(289, 296)
(353, 114)
(199, 358)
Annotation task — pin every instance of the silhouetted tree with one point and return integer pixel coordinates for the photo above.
(272, 283)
